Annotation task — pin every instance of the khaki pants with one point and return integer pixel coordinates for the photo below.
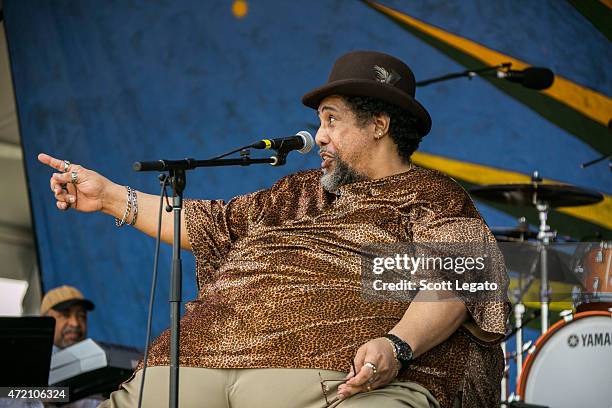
(260, 388)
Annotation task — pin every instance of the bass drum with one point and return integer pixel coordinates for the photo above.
(571, 365)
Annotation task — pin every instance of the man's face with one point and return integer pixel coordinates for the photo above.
(70, 325)
(344, 145)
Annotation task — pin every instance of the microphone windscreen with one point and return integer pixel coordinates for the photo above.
(538, 78)
(308, 141)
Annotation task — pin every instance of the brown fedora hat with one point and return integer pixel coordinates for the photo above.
(373, 74)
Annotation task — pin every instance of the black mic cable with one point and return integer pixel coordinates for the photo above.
(164, 182)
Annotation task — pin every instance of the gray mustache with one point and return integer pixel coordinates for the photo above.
(72, 330)
(325, 150)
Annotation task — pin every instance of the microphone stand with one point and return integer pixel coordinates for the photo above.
(177, 179)
(602, 158)
(595, 161)
(471, 73)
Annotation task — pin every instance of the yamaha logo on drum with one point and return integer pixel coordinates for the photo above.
(573, 340)
(590, 340)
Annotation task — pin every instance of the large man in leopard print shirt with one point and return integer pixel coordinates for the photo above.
(279, 271)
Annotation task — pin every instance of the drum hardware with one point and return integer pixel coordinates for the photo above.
(543, 197)
(595, 284)
(592, 264)
(513, 398)
(534, 314)
(519, 323)
(519, 310)
(567, 315)
(520, 233)
(544, 236)
(526, 349)
(576, 292)
(599, 256)
(573, 345)
(505, 375)
(528, 346)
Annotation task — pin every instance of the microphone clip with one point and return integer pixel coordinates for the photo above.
(280, 158)
(277, 160)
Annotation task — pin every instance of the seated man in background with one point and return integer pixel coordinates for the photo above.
(68, 306)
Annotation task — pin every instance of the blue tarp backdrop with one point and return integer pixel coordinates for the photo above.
(104, 84)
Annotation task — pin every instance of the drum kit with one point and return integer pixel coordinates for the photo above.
(570, 364)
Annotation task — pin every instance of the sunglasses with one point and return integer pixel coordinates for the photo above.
(325, 387)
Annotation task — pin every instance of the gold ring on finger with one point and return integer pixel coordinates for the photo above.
(74, 178)
(66, 165)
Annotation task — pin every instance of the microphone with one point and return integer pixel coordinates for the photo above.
(302, 142)
(533, 77)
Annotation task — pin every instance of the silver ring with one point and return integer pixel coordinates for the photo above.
(74, 178)
(373, 367)
(66, 165)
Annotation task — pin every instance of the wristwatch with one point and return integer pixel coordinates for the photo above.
(403, 350)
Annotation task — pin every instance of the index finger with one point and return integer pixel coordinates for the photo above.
(362, 377)
(51, 161)
(363, 373)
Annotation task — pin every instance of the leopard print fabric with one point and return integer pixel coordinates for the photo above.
(278, 274)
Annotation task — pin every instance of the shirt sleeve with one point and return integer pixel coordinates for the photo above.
(213, 225)
(454, 219)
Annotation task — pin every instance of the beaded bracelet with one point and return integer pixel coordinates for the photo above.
(128, 209)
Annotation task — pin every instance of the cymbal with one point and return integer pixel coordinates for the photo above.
(524, 258)
(513, 234)
(555, 195)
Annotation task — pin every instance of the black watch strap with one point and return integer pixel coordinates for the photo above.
(402, 349)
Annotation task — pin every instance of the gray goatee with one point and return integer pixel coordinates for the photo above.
(341, 175)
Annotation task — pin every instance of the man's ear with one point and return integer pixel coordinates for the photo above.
(381, 124)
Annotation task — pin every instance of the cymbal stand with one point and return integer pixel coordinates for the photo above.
(544, 236)
(519, 311)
